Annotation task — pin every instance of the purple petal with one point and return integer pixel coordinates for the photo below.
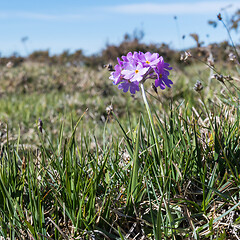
(167, 82)
(159, 83)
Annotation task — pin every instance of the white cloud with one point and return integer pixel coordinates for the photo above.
(40, 16)
(201, 7)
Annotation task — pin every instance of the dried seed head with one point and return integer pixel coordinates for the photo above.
(232, 57)
(220, 77)
(198, 86)
(185, 56)
(109, 109)
(210, 62)
(40, 125)
(219, 16)
(109, 67)
(188, 54)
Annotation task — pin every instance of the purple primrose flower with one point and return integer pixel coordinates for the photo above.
(149, 59)
(125, 85)
(137, 67)
(134, 72)
(162, 75)
(116, 75)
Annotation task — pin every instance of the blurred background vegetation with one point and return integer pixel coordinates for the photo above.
(63, 86)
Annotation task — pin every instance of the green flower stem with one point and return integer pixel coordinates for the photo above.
(152, 126)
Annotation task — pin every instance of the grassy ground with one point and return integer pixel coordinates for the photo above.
(93, 175)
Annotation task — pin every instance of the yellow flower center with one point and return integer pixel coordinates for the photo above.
(160, 75)
(147, 62)
(136, 71)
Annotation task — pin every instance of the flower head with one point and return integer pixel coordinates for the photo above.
(137, 67)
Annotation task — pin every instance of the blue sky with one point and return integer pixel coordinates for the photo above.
(59, 25)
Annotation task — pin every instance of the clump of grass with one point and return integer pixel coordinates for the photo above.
(173, 177)
(118, 190)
